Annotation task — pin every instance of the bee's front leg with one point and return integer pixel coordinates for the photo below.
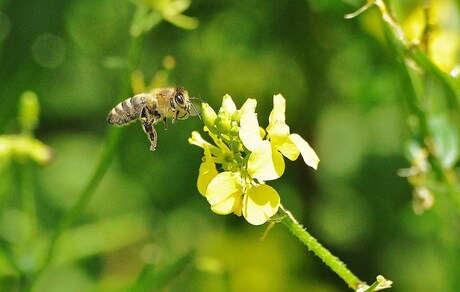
(164, 123)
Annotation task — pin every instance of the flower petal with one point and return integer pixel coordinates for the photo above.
(225, 192)
(207, 172)
(289, 149)
(279, 131)
(228, 105)
(249, 128)
(265, 163)
(308, 154)
(279, 108)
(260, 203)
(277, 115)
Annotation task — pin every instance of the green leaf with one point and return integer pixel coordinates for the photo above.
(445, 140)
(152, 279)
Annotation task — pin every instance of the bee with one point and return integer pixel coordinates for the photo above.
(151, 108)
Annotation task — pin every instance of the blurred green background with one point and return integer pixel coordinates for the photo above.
(345, 89)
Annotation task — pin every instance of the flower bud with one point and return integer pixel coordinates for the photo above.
(29, 111)
(236, 116)
(235, 129)
(209, 116)
(223, 123)
(228, 106)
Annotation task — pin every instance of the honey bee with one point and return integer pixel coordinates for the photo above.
(151, 108)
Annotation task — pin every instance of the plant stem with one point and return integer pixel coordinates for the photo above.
(313, 245)
(111, 145)
(412, 53)
(27, 189)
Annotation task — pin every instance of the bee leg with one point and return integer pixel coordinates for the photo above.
(174, 118)
(149, 129)
(165, 124)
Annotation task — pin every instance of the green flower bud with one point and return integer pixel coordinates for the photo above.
(29, 111)
(236, 116)
(223, 123)
(209, 116)
(234, 131)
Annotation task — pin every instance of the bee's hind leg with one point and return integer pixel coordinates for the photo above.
(149, 129)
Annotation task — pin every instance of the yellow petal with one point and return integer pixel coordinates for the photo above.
(260, 203)
(265, 163)
(228, 105)
(249, 105)
(249, 129)
(207, 172)
(308, 154)
(278, 130)
(277, 115)
(279, 133)
(279, 109)
(289, 149)
(225, 192)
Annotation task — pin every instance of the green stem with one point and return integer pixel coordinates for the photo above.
(27, 189)
(416, 55)
(313, 245)
(110, 147)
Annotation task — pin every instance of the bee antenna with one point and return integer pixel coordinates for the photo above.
(195, 97)
(194, 108)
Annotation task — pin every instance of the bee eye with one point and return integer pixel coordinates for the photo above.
(179, 98)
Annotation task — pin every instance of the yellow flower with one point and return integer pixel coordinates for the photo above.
(260, 204)
(24, 146)
(248, 157)
(20, 147)
(265, 163)
(227, 193)
(290, 145)
(207, 171)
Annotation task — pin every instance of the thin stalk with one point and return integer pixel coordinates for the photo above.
(27, 191)
(415, 54)
(320, 251)
(111, 145)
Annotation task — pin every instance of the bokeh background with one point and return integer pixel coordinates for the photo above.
(345, 89)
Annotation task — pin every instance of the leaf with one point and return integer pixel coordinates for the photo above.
(151, 279)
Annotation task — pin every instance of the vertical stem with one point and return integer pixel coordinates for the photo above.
(110, 147)
(26, 179)
(313, 245)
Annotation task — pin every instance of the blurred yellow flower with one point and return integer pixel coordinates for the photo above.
(21, 147)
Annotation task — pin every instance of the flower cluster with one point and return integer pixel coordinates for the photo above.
(24, 145)
(248, 156)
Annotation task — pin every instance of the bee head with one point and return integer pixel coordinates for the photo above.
(182, 103)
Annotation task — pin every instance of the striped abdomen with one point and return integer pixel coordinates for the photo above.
(127, 110)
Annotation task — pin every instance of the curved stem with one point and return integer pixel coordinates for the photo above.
(320, 251)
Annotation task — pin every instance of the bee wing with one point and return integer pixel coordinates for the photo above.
(195, 103)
